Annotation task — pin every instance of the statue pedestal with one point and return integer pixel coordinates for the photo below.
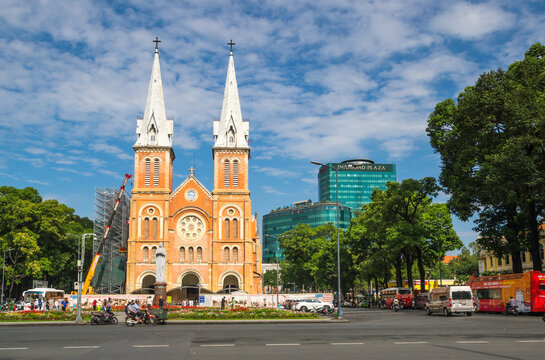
(160, 293)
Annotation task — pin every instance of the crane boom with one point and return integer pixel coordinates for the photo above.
(93, 267)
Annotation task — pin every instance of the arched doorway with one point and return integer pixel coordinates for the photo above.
(190, 287)
(230, 283)
(148, 284)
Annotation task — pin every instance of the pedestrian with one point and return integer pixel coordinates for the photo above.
(95, 305)
(149, 303)
(223, 301)
(47, 305)
(233, 302)
(56, 304)
(64, 303)
(161, 303)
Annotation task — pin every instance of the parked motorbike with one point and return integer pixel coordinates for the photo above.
(324, 310)
(397, 306)
(543, 317)
(102, 318)
(145, 318)
(511, 310)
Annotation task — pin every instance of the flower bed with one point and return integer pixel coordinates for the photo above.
(33, 315)
(240, 313)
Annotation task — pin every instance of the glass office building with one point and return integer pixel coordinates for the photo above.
(357, 180)
(281, 220)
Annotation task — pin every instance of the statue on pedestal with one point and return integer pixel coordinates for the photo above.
(160, 264)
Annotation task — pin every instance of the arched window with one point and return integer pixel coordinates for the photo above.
(182, 254)
(145, 254)
(154, 228)
(226, 171)
(235, 173)
(156, 172)
(147, 175)
(235, 254)
(226, 254)
(191, 258)
(153, 251)
(235, 229)
(199, 253)
(226, 235)
(146, 228)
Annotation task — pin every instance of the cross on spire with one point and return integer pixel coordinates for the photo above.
(231, 43)
(156, 41)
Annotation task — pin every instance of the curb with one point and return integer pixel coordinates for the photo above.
(180, 322)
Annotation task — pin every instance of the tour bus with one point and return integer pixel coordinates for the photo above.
(492, 293)
(42, 294)
(405, 295)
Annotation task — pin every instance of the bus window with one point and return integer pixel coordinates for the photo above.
(404, 291)
(542, 287)
(489, 293)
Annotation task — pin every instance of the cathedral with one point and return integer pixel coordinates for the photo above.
(211, 238)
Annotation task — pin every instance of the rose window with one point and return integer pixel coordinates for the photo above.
(190, 228)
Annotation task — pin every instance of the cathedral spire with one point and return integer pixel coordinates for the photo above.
(154, 129)
(231, 130)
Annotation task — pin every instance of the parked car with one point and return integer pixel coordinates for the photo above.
(420, 301)
(451, 299)
(311, 304)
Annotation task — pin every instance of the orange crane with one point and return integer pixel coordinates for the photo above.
(86, 285)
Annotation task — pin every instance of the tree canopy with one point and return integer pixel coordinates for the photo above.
(40, 237)
(492, 146)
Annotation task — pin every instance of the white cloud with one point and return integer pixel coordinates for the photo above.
(472, 21)
(270, 171)
(39, 182)
(111, 149)
(270, 190)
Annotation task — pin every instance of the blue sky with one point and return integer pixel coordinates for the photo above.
(318, 80)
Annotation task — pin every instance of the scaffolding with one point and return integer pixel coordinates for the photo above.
(109, 277)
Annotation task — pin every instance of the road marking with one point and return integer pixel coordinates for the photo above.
(282, 344)
(213, 345)
(149, 346)
(82, 347)
(531, 341)
(14, 348)
(410, 342)
(347, 343)
(472, 342)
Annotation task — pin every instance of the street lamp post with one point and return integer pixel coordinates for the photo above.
(277, 268)
(3, 270)
(81, 258)
(340, 310)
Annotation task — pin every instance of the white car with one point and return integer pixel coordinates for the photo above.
(311, 304)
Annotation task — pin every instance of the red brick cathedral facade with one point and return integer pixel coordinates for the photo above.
(211, 238)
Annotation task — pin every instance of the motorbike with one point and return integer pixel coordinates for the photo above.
(102, 318)
(145, 318)
(511, 310)
(543, 317)
(324, 310)
(397, 306)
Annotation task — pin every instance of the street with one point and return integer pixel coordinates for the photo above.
(371, 334)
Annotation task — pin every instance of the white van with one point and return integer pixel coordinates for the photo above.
(451, 299)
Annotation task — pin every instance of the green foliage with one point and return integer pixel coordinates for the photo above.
(311, 257)
(202, 313)
(269, 278)
(492, 147)
(43, 236)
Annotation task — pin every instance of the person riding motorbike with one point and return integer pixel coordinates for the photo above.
(396, 303)
(512, 304)
(134, 309)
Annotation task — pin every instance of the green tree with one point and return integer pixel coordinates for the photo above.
(36, 230)
(492, 147)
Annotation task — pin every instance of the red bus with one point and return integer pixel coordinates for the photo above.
(404, 295)
(492, 293)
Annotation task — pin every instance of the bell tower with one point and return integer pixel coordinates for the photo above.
(233, 220)
(153, 158)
